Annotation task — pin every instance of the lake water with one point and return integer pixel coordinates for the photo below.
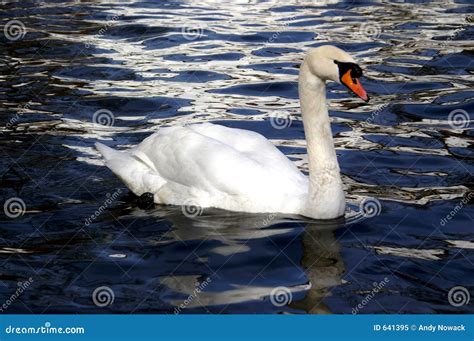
(72, 237)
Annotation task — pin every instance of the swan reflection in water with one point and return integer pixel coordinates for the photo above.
(276, 263)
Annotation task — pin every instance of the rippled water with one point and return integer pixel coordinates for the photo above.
(143, 65)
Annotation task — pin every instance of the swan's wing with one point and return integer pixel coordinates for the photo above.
(215, 159)
(250, 143)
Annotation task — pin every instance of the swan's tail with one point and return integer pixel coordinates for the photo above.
(136, 174)
(110, 154)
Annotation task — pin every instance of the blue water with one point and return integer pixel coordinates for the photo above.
(150, 64)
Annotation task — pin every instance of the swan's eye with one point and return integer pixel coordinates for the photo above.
(356, 71)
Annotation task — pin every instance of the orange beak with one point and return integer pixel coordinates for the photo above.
(354, 85)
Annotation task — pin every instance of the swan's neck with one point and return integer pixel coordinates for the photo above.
(325, 195)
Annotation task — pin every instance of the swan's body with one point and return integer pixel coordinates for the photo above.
(212, 166)
(209, 165)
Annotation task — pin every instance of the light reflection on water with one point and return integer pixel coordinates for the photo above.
(150, 65)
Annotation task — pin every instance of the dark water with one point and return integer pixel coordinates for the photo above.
(150, 64)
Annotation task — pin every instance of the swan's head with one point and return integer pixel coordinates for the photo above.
(330, 63)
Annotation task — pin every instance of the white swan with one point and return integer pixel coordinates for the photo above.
(209, 165)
